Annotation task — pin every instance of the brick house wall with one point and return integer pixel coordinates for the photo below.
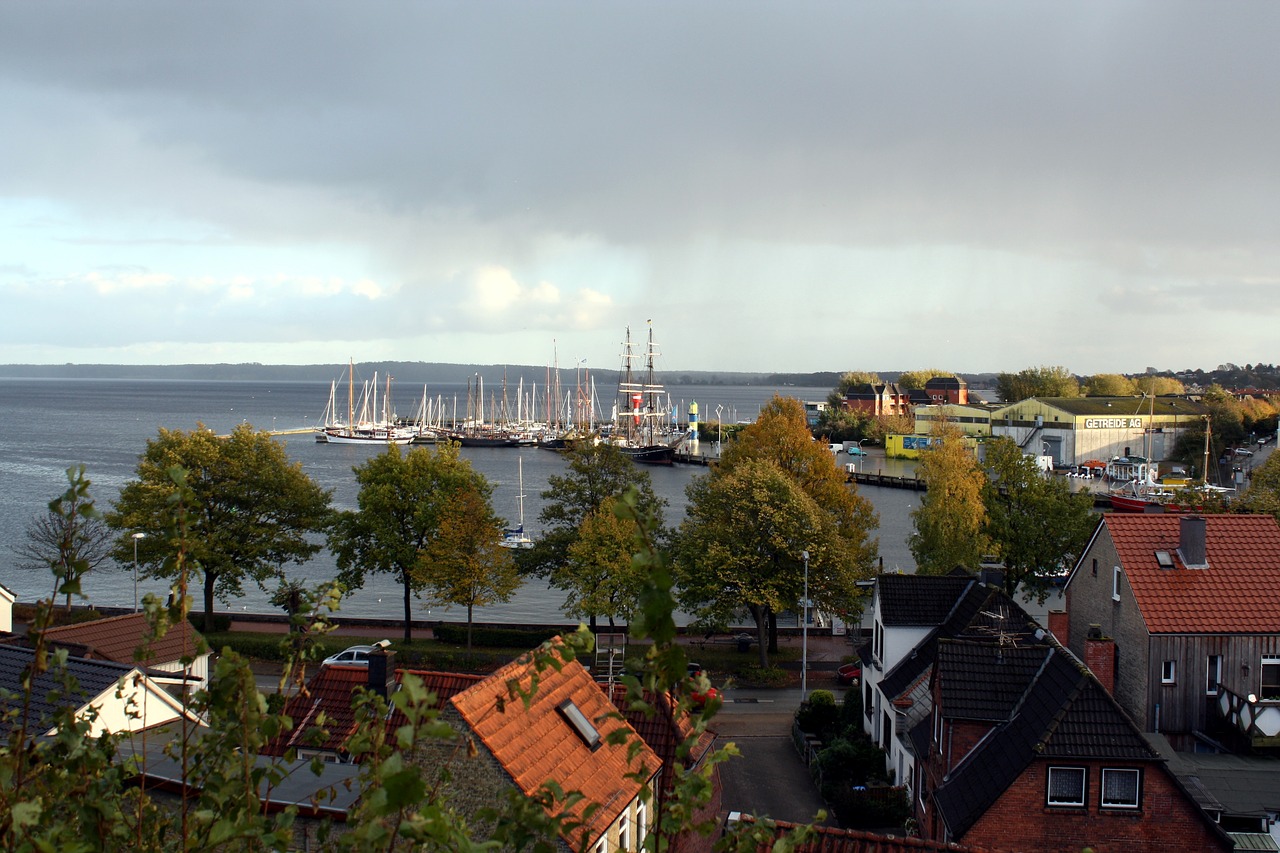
(1021, 820)
(1090, 602)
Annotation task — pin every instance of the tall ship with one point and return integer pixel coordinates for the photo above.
(642, 425)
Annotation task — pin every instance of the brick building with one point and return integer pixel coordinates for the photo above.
(1025, 750)
(884, 398)
(947, 389)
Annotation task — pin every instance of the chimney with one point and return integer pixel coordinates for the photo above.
(1060, 626)
(1191, 542)
(1100, 657)
(382, 671)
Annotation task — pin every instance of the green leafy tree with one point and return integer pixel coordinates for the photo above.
(595, 473)
(854, 378)
(1263, 492)
(403, 500)
(255, 510)
(599, 577)
(1036, 382)
(1035, 523)
(1161, 385)
(741, 546)
(949, 523)
(841, 550)
(465, 564)
(1109, 385)
(71, 532)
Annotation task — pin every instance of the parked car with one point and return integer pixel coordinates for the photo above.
(354, 656)
(1240, 451)
(856, 450)
(849, 674)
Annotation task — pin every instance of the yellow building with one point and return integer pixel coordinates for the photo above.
(972, 419)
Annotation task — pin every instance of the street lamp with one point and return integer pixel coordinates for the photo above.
(719, 429)
(804, 632)
(136, 537)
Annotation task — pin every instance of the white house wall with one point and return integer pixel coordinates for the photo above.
(133, 704)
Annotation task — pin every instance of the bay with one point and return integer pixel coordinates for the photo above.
(48, 425)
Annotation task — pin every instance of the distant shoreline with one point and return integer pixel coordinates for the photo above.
(403, 371)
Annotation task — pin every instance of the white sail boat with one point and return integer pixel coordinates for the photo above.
(367, 427)
(515, 537)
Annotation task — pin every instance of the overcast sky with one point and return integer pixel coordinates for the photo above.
(783, 186)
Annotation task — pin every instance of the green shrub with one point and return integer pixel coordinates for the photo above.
(755, 676)
(490, 637)
(819, 715)
(874, 808)
(851, 713)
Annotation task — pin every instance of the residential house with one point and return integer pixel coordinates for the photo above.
(113, 697)
(7, 600)
(668, 730)
(121, 638)
(911, 615)
(1025, 750)
(878, 399)
(558, 727)
(947, 389)
(1191, 608)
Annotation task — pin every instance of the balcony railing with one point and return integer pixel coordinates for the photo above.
(1258, 719)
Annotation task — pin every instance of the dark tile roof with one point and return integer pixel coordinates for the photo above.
(975, 684)
(1063, 713)
(907, 600)
(1239, 592)
(979, 613)
(92, 677)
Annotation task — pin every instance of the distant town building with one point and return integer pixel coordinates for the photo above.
(878, 399)
(947, 389)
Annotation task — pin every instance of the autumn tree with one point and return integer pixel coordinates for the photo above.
(1109, 385)
(595, 473)
(1036, 382)
(915, 380)
(842, 552)
(255, 510)
(951, 518)
(598, 576)
(465, 564)
(404, 499)
(1035, 524)
(70, 533)
(855, 378)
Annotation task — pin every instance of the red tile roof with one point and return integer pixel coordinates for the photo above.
(330, 692)
(1239, 592)
(537, 744)
(116, 638)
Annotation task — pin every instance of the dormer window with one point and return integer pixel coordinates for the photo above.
(1164, 560)
(578, 721)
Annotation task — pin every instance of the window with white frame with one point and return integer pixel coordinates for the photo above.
(1066, 786)
(1121, 789)
(1115, 584)
(1270, 677)
(642, 825)
(1169, 672)
(1213, 675)
(602, 845)
(624, 833)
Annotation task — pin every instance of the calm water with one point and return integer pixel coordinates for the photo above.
(49, 425)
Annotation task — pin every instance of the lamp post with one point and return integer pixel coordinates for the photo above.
(804, 632)
(719, 429)
(136, 537)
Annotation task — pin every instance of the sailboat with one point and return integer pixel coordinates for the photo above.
(515, 537)
(641, 422)
(367, 427)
